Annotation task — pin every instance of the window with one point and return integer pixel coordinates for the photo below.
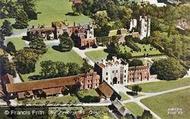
(124, 80)
(116, 71)
(106, 78)
(112, 71)
(124, 76)
(106, 73)
(125, 71)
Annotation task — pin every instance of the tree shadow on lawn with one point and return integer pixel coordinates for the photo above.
(57, 48)
(71, 14)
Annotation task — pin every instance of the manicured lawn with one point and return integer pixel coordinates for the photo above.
(134, 108)
(123, 96)
(164, 85)
(90, 92)
(96, 55)
(176, 100)
(66, 99)
(56, 10)
(18, 42)
(54, 55)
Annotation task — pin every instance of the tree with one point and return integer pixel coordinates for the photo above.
(6, 66)
(73, 69)
(85, 67)
(21, 20)
(39, 45)
(29, 8)
(10, 48)
(6, 28)
(146, 115)
(2, 38)
(136, 89)
(48, 69)
(62, 69)
(25, 61)
(168, 69)
(135, 62)
(66, 44)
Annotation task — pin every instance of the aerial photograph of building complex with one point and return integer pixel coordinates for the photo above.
(94, 59)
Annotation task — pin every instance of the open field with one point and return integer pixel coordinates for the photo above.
(54, 55)
(18, 42)
(164, 85)
(134, 108)
(163, 105)
(56, 10)
(90, 92)
(96, 55)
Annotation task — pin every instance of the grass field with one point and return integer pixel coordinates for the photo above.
(123, 96)
(90, 92)
(18, 42)
(176, 100)
(96, 55)
(54, 55)
(164, 85)
(134, 108)
(54, 10)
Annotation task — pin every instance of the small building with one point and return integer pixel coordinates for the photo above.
(54, 86)
(113, 71)
(138, 73)
(107, 92)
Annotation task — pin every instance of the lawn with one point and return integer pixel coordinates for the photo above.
(134, 108)
(54, 55)
(123, 96)
(163, 105)
(56, 10)
(164, 85)
(90, 92)
(96, 55)
(18, 42)
(66, 99)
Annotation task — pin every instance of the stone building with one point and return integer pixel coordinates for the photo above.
(142, 26)
(54, 86)
(113, 71)
(138, 73)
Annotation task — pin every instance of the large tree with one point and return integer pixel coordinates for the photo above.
(66, 44)
(73, 69)
(21, 20)
(6, 28)
(62, 69)
(86, 67)
(2, 38)
(6, 66)
(25, 61)
(168, 69)
(29, 8)
(11, 48)
(39, 45)
(135, 62)
(48, 69)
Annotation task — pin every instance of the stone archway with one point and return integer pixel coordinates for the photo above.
(114, 80)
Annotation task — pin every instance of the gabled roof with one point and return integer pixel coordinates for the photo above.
(106, 90)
